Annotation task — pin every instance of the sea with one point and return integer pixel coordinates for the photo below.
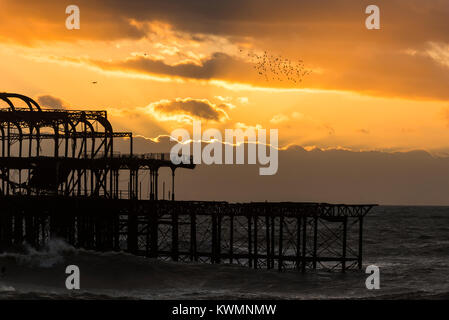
(409, 244)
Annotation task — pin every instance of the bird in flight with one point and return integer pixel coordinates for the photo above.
(94, 82)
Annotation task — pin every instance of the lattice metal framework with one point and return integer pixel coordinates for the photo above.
(69, 152)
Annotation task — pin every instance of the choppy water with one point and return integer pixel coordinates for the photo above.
(409, 244)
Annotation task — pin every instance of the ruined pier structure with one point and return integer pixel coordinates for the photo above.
(60, 177)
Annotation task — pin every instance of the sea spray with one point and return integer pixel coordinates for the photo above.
(47, 257)
(5, 288)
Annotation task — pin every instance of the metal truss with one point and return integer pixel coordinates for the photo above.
(70, 153)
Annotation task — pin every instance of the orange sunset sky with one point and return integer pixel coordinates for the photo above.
(160, 64)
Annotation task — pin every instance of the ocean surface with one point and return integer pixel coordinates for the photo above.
(410, 245)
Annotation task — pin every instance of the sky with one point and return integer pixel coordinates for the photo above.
(158, 65)
(368, 89)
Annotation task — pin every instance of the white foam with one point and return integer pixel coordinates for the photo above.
(47, 257)
(4, 288)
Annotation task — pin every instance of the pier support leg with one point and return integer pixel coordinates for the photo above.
(231, 239)
(267, 236)
(273, 224)
(343, 261)
(173, 184)
(136, 185)
(156, 191)
(304, 244)
(148, 236)
(315, 242)
(218, 244)
(152, 197)
(132, 233)
(81, 231)
(256, 260)
(360, 256)
(6, 231)
(175, 243)
(281, 240)
(116, 222)
(250, 249)
(18, 228)
(154, 229)
(298, 242)
(193, 252)
(214, 255)
(30, 235)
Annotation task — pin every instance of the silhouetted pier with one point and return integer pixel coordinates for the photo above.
(77, 192)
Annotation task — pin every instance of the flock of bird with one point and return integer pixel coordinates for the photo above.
(276, 67)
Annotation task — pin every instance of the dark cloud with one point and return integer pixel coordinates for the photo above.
(50, 102)
(196, 108)
(402, 20)
(329, 35)
(218, 65)
(383, 73)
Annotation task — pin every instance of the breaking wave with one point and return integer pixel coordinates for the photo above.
(412, 266)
